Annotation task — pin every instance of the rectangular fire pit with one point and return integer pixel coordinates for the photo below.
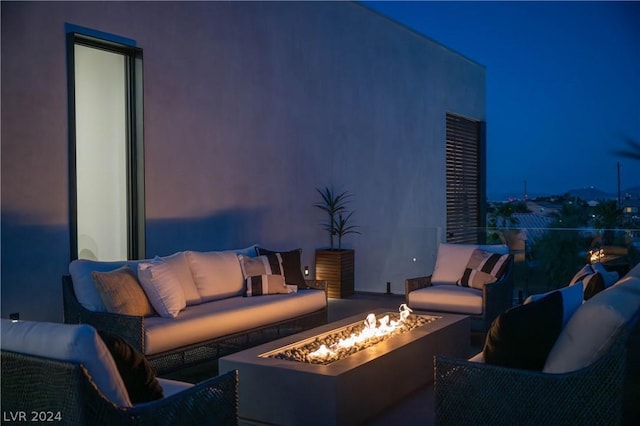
(347, 391)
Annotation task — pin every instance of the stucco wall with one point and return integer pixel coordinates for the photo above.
(248, 107)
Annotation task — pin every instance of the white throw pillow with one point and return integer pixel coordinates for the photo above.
(217, 274)
(179, 263)
(452, 260)
(68, 342)
(162, 287)
(594, 327)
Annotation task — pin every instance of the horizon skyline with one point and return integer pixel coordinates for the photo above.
(501, 196)
(561, 81)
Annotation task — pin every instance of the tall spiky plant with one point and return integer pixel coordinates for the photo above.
(334, 205)
(341, 227)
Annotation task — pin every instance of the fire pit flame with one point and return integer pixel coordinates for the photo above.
(370, 330)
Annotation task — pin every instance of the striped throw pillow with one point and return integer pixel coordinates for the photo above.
(483, 268)
(592, 282)
(263, 275)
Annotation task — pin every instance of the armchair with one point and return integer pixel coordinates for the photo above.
(591, 375)
(439, 293)
(64, 373)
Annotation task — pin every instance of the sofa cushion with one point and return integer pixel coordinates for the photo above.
(260, 265)
(452, 260)
(162, 287)
(522, 336)
(483, 268)
(179, 263)
(217, 274)
(121, 292)
(263, 274)
(571, 300)
(83, 284)
(291, 265)
(199, 323)
(594, 327)
(137, 374)
(66, 342)
(447, 298)
(259, 285)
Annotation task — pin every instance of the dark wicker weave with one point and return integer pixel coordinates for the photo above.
(497, 297)
(131, 328)
(36, 385)
(604, 393)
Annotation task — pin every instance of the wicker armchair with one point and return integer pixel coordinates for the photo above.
(496, 297)
(64, 393)
(606, 392)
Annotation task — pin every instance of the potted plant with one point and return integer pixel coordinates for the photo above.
(336, 265)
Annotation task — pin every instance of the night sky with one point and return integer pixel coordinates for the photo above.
(563, 86)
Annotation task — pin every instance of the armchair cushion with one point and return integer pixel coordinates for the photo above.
(137, 374)
(447, 298)
(64, 342)
(452, 260)
(604, 316)
(522, 337)
(483, 268)
(592, 282)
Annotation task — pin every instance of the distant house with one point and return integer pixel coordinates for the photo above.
(631, 211)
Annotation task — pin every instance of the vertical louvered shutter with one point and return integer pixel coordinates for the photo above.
(465, 179)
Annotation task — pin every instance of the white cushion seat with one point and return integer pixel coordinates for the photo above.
(218, 318)
(467, 279)
(447, 298)
(64, 342)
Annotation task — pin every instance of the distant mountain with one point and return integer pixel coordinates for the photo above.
(587, 194)
(592, 194)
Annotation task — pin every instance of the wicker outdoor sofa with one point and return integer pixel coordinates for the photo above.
(217, 319)
(591, 375)
(64, 374)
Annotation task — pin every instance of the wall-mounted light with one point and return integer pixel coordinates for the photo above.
(306, 271)
(15, 317)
